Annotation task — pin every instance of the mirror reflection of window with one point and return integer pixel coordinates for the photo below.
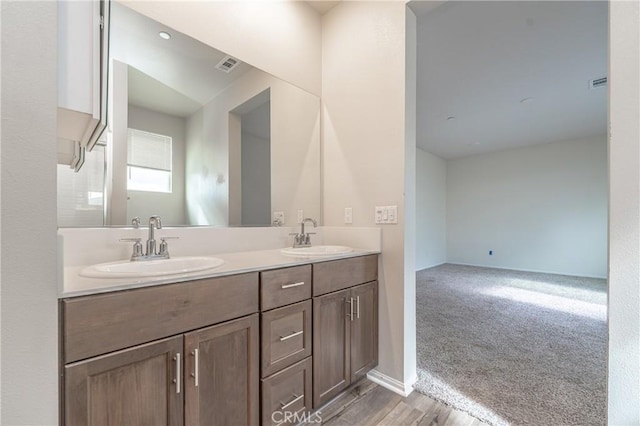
(148, 162)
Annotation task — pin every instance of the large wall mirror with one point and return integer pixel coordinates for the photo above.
(194, 136)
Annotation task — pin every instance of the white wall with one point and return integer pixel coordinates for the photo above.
(170, 206)
(29, 314)
(410, 361)
(295, 152)
(431, 201)
(74, 206)
(363, 127)
(279, 37)
(624, 214)
(539, 208)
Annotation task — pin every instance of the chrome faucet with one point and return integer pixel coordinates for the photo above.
(303, 239)
(155, 222)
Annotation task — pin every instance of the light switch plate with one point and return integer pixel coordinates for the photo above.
(386, 215)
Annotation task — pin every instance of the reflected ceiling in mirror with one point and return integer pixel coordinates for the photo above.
(195, 136)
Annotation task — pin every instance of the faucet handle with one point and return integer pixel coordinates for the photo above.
(137, 247)
(164, 246)
(135, 222)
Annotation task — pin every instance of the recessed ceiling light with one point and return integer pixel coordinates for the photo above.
(165, 35)
(526, 100)
(451, 118)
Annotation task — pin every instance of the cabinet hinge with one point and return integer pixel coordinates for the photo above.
(101, 22)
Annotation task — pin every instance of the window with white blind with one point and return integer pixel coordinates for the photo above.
(148, 162)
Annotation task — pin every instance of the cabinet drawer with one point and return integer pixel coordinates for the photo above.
(95, 325)
(344, 273)
(284, 286)
(286, 394)
(286, 336)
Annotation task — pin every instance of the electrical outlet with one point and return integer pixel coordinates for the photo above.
(278, 218)
(379, 214)
(348, 215)
(300, 216)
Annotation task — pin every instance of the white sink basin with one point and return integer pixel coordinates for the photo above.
(151, 268)
(315, 251)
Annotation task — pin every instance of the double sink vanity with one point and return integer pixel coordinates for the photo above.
(235, 323)
(261, 337)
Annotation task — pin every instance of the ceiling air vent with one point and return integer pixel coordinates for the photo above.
(227, 64)
(597, 82)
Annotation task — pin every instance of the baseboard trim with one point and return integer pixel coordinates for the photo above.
(430, 266)
(527, 270)
(403, 389)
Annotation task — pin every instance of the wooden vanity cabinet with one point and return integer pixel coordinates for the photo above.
(345, 325)
(243, 349)
(208, 376)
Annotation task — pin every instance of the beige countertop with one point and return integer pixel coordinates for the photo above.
(234, 263)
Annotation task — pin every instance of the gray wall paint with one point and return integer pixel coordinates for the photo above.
(29, 314)
(540, 208)
(431, 218)
(256, 167)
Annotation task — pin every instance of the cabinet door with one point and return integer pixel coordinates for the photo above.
(364, 330)
(331, 352)
(221, 369)
(141, 385)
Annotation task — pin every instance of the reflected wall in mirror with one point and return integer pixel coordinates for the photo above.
(194, 136)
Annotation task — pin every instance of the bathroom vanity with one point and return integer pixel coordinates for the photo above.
(226, 349)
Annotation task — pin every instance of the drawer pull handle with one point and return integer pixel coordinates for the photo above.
(178, 369)
(196, 366)
(285, 286)
(295, 399)
(358, 307)
(292, 335)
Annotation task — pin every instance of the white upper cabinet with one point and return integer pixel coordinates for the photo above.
(82, 77)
